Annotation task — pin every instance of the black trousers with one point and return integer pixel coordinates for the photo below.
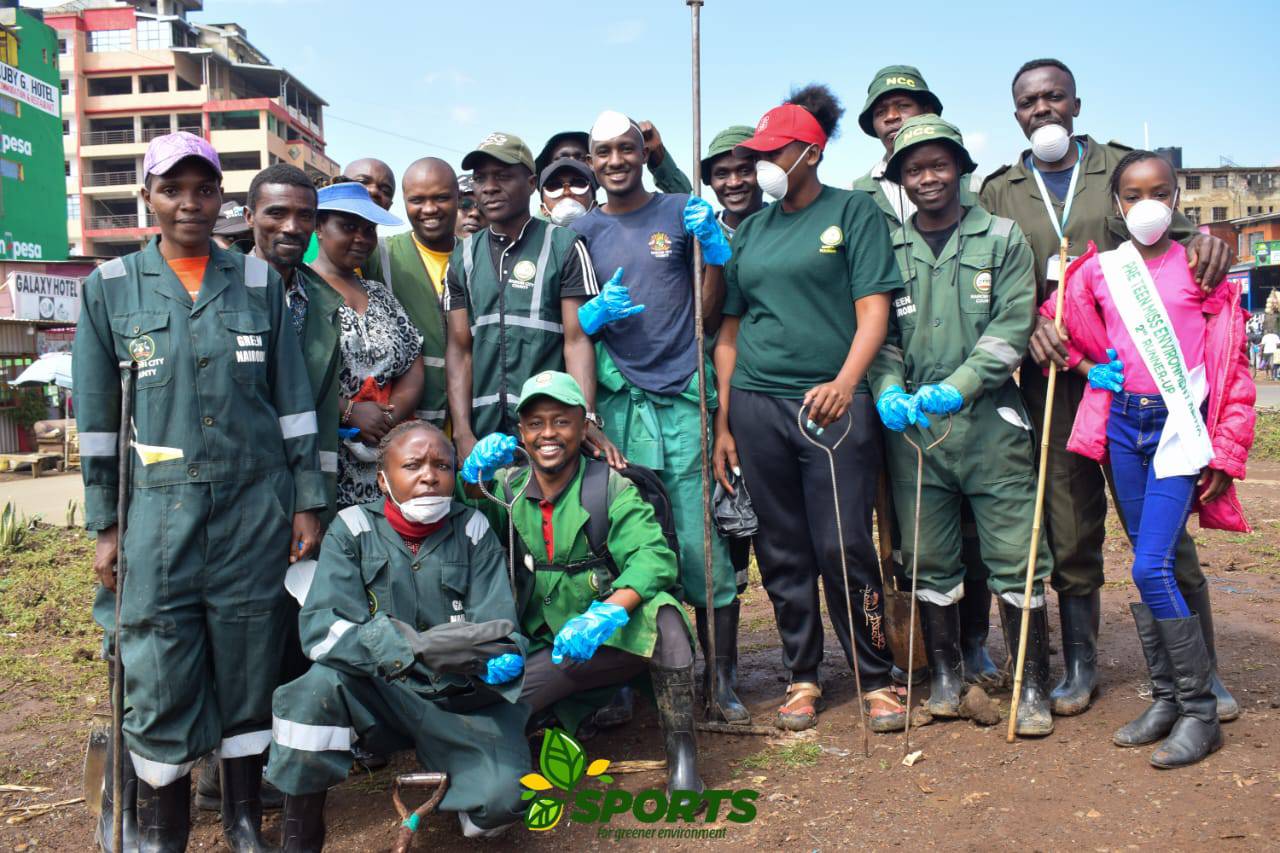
(789, 480)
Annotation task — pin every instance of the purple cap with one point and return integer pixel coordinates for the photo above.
(164, 152)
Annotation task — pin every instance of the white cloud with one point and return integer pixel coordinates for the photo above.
(453, 76)
(462, 114)
(625, 32)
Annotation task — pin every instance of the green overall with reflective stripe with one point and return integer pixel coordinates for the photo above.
(224, 453)
(516, 327)
(964, 318)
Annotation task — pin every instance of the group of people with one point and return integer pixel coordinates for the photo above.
(361, 395)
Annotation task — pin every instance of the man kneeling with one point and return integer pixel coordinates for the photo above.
(593, 620)
(411, 624)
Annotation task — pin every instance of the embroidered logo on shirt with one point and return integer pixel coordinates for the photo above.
(142, 348)
(982, 282)
(831, 240)
(522, 273)
(660, 244)
(248, 356)
(903, 306)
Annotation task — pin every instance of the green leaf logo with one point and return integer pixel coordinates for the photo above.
(564, 764)
(544, 813)
(563, 760)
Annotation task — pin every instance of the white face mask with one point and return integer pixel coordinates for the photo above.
(566, 211)
(1049, 143)
(1148, 219)
(427, 509)
(771, 177)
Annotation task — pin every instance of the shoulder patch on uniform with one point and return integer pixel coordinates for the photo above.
(477, 527)
(1120, 146)
(1001, 226)
(255, 271)
(355, 520)
(113, 268)
(997, 173)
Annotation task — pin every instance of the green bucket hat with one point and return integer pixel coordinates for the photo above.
(896, 78)
(724, 142)
(554, 384)
(503, 147)
(918, 130)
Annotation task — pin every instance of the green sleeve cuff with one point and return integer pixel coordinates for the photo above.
(310, 491)
(965, 380)
(99, 507)
(387, 647)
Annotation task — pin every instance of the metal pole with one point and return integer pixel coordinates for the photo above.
(130, 370)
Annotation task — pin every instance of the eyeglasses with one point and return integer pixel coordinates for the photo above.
(577, 187)
(466, 203)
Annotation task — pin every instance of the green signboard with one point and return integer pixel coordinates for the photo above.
(1266, 253)
(33, 188)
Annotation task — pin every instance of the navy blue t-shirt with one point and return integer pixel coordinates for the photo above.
(655, 349)
(1057, 182)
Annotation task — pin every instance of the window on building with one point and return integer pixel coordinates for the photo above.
(1219, 213)
(148, 83)
(191, 123)
(10, 169)
(1261, 181)
(1253, 239)
(99, 86)
(66, 127)
(66, 168)
(8, 106)
(62, 47)
(73, 206)
(241, 161)
(155, 35)
(65, 86)
(1219, 182)
(1192, 213)
(185, 85)
(1193, 182)
(238, 120)
(104, 41)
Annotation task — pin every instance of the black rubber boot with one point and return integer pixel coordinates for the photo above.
(941, 624)
(618, 712)
(1197, 731)
(164, 816)
(725, 705)
(209, 789)
(242, 804)
(130, 800)
(302, 827)
(1158, 719)
(1034, 716)
(975, 625)
(1198, 601)
(1080, 616)
(673, 691)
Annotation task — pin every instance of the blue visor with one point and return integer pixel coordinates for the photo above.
(353, 198)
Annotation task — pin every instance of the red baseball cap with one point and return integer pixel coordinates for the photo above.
(783, 125)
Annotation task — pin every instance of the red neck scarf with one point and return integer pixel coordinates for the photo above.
(409, 530)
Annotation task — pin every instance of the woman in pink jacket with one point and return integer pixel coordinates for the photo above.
(1170, 402)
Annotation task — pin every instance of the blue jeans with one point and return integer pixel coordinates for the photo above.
(1155, 510)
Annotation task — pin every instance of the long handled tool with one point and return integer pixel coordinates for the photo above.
(1038, 517)
(899, 630)
(915, 564)
(129, 370)
(410, 820)
(511, 520)
(844, 565)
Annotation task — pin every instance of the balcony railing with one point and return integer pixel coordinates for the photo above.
(109, 137)
(111, 179)
(121, 220)
(151, 133)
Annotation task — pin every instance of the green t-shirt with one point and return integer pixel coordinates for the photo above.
(793, 279)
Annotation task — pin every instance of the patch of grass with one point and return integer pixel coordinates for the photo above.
(793, 756)
(1266, 436)
(758, 761)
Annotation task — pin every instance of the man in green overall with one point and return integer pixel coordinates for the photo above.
(225, 489)
(959, 326)
(1060, 187)
(895, 94)
(410, 621)
(512, 299)
(413, 265)
(594, 620)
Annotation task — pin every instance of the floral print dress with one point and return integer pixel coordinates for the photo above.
(382, 343)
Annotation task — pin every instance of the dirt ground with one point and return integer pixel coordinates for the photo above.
(969, 790)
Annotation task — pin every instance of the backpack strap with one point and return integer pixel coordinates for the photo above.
(595, 500)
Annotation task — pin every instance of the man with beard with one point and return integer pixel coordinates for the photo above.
(1060, 187)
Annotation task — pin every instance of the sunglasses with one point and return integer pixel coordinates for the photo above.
(577, 187)
(466, 203)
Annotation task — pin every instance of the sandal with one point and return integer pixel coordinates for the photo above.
(893, 716)
(800, 710)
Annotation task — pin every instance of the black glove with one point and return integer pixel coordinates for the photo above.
(734, 514)
(463, 648)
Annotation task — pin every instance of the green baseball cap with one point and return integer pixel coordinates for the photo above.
(896, 78)
(918, 130)
(724, 142)
(503, 147)
(554, 384)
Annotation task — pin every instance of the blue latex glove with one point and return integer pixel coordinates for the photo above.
(939, 399)
(348, 433)
(490, 453)
(898, 409)
(583, 634)
(612, 303)
(503, 668)
(1109, 376)
(700, 221)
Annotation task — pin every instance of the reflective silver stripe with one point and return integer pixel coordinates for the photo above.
(430, 414)
(432, 361)
(477, 526)
(516, 320)
(157, 774)
(535, 298)
(1001, 349)
(310, 738)
(385, 257)
(255, 271)
(941, 599)
(354, 518)
(328, 462)
(303, 423)
(336, 630)
(249, 743)
(1001, 227)
(492, 399)
(468, 263)
(113, 268)
(1016, 599)
(99, 443)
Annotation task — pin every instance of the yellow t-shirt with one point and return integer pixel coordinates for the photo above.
(435, 262)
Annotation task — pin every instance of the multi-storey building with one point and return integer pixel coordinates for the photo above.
(1228, 192)
(132, 71)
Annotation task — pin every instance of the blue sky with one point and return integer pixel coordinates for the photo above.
(444, 74)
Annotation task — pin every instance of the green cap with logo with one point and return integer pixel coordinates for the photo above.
(554, 384)
(503, 147)
(918, 130)
(896, 78)
(724, 142)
